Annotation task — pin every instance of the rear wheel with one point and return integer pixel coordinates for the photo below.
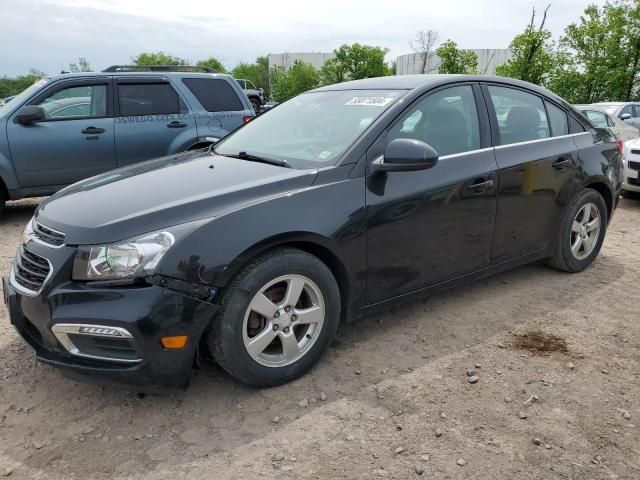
(581, 234)
(256, 105)
(277, 318)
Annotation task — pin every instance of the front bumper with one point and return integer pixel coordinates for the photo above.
(148, 313)
(631, 180)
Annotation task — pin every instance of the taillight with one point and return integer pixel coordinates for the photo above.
(247, 119)
(619, 145)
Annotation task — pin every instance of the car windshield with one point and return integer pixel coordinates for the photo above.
(17, 100)
(312, 129)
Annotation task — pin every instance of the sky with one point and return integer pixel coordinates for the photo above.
(49, 34)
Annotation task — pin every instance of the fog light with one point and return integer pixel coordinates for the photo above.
(174, 342)
(111, 332)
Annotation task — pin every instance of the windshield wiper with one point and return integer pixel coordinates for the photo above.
(255, 158)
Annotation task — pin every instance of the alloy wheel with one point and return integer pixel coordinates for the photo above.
(283, 320)
(585, 231)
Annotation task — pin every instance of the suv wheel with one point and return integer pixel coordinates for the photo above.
(277, 318)
(256, 104)
(581, 234)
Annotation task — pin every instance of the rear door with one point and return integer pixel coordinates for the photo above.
(152, 120)
(537, 160)
(75, 141)
(221, 105)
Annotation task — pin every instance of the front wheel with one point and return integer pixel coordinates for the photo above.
(277, 318)
(581, 234)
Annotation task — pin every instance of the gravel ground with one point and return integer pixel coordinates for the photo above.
(554, 360)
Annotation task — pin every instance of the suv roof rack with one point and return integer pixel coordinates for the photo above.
(158, 68)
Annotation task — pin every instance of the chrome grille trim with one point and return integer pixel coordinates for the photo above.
(46, 235)
(30, 272)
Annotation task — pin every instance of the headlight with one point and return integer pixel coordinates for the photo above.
(128, 259)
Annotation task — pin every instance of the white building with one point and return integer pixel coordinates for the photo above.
(488, 60)
(286, 59)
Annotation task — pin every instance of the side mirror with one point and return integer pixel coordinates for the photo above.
(406, 155)
(29, 114)
(625, 116)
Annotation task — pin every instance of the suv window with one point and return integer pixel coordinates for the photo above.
(447, 120)
(76, 102)
(214, 94)
(147, 99)
(521, 115)
(557, 119)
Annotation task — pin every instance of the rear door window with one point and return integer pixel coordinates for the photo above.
(557, 119)
(148, 99)
(521, 116)
(214, 94)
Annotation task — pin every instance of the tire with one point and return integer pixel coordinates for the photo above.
(572, 234)
(255, 103)
(3, 200)
(238, 327)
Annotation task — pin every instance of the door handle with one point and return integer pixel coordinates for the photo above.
(176, 124)
(480, 185)
(562, 163)
(92, 130)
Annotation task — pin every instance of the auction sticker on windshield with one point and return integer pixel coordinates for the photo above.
(370, 101)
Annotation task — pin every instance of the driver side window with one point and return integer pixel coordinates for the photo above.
(447, 120)
(76, 102)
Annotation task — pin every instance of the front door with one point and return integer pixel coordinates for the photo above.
(152, 120)
(73, 142)
(429, 226)
(538, 163)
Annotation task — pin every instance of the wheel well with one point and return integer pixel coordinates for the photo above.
(327, 257)
(603, 190)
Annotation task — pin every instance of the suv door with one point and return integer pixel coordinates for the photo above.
(152, 120)
(73, 142)
(537, 159)
(425, 227)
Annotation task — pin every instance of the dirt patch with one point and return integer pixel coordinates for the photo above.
(540, 342)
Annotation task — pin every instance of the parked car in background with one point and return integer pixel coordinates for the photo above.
(343, 200)
(73, 126)
(631, 162)
(628, 112)
(256, 95)
(602, 119)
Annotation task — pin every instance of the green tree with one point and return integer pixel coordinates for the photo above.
(353, 62)
(13, 86)
(533, 57)
(212, 62)
(257, 72)
(600, 55)
(454, 60)
(299, 78)
(81, 66)
(158, 58)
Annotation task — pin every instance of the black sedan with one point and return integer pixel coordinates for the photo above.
(341, 201)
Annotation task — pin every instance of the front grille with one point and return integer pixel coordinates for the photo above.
(47, 235)
(634, 165)
(633, 181)
(30, 271)
(635, 152)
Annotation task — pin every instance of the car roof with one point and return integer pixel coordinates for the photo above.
(597, 107)
(140, 73)
(412, 82)
(613, 104)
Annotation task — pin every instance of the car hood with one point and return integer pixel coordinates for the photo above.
(161, 193)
